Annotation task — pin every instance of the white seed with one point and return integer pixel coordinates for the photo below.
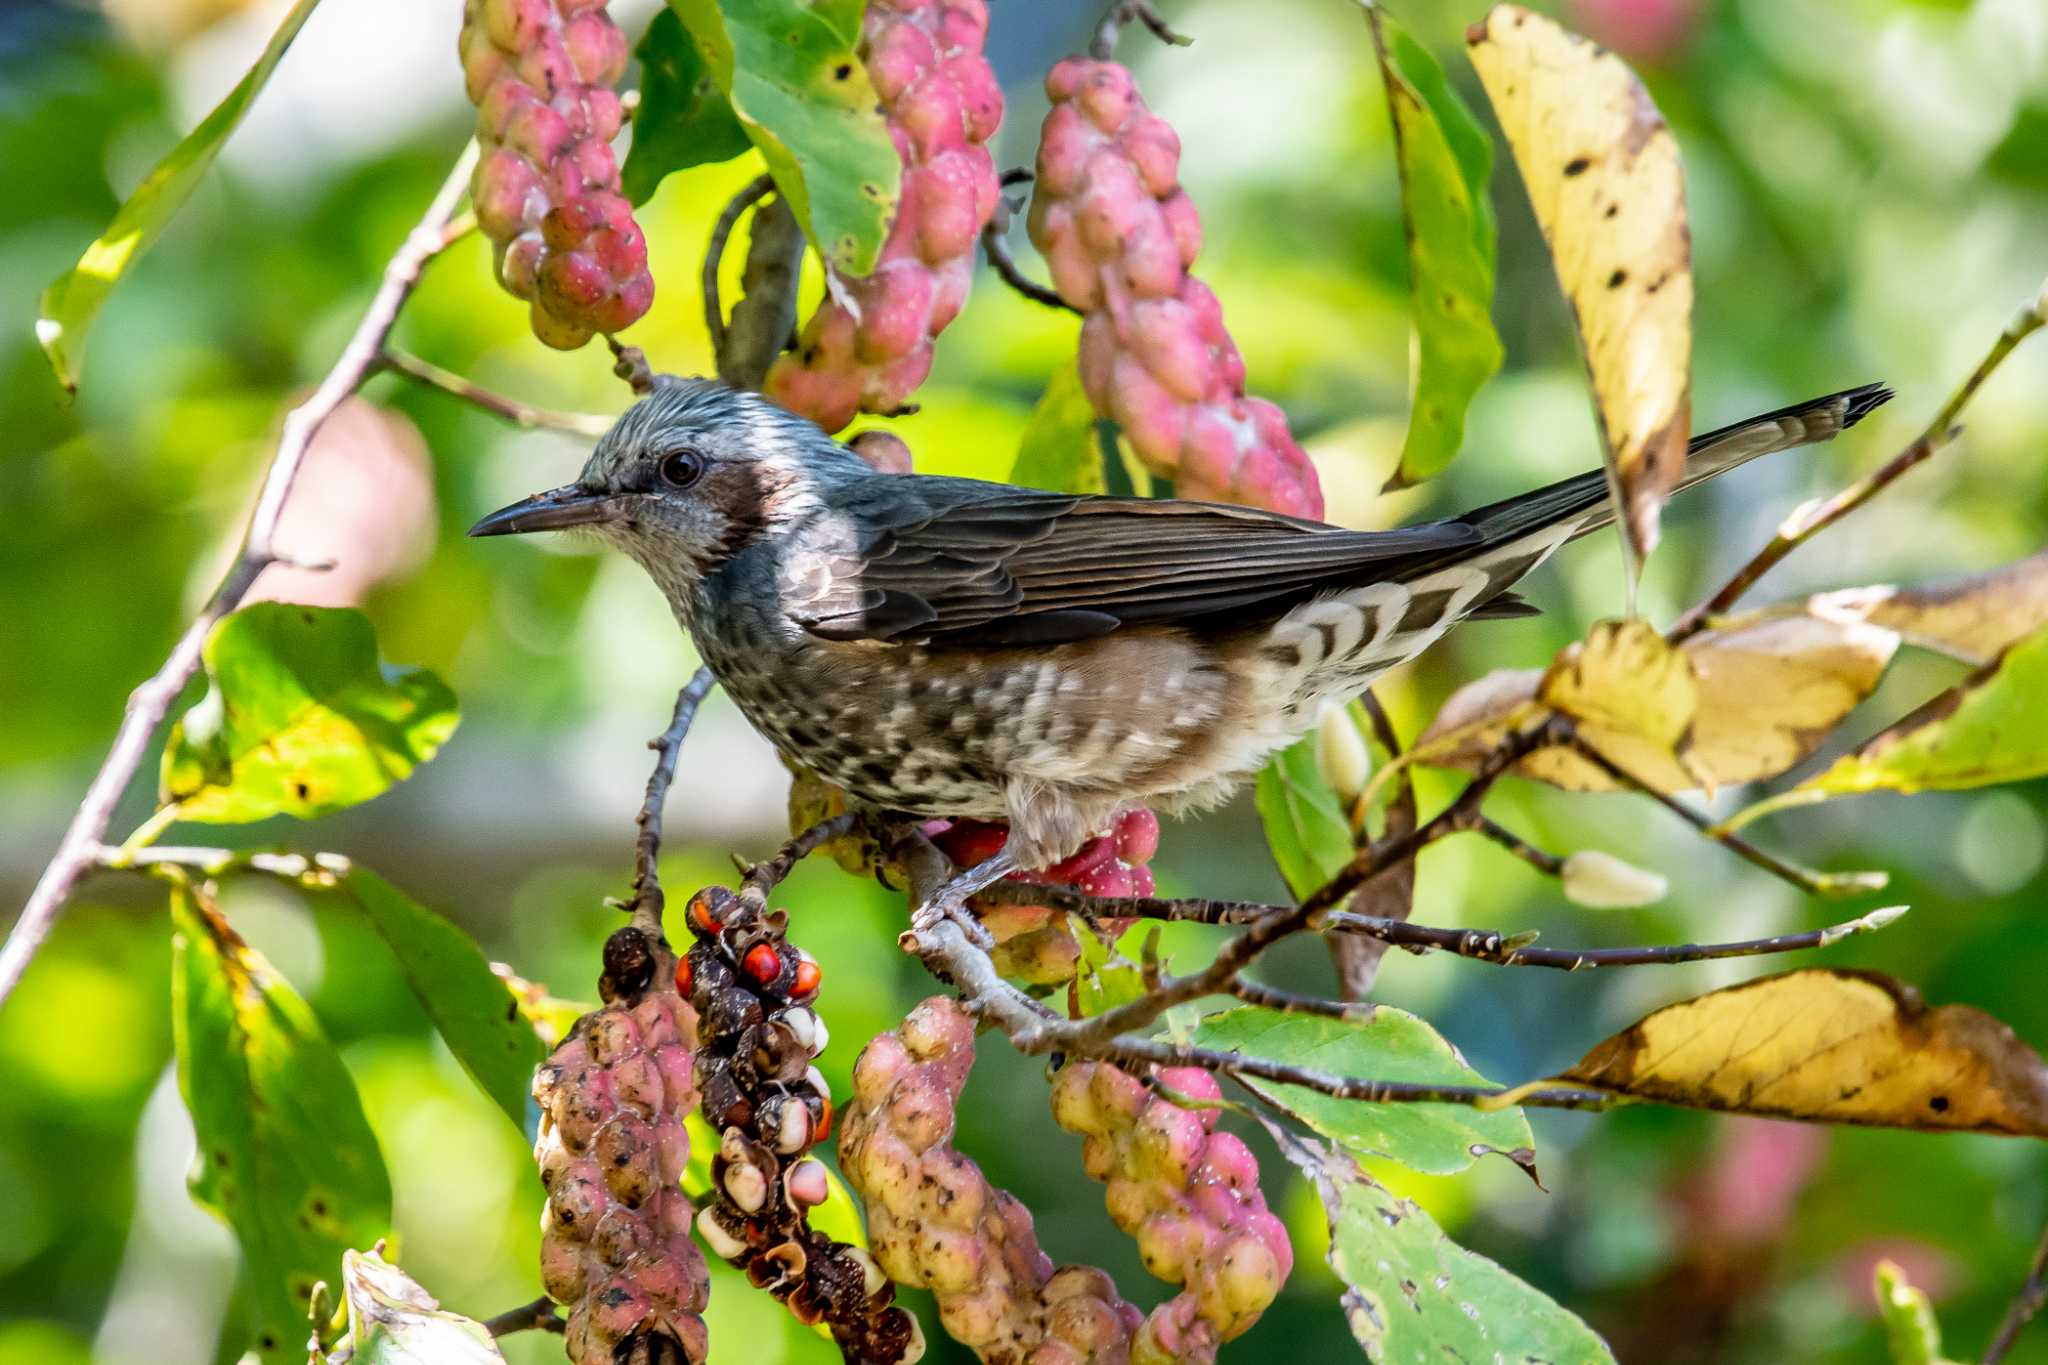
(746, 1186)
(808, 1029)
(807, 1184)
(1601, 881)
(721, 1242)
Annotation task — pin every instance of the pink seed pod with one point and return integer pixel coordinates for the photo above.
(615, 1232)
(1187, 1194)
(869, 345)
(936, 1223)
(1118, 235)
(546, 188)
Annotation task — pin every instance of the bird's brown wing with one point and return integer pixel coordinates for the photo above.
(971, 564)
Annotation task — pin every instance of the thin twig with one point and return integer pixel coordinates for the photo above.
(1811, 882)
(1124, 13)
(1549, 864)
(647, 901)
(763, 878)
(1808, 521)
(1516, 950)
(526, 415)
(149, 702)
(2031, 1298)
(538, 1316)
(630, 364)
(1288, 1002)
(714, 254)
(995, 244)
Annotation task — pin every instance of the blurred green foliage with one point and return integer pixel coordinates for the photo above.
(1869, 191)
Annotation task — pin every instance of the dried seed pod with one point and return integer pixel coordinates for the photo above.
(615, 1239)
(540, 73)
(937, 1223)
(869, 345)
(1118, 234)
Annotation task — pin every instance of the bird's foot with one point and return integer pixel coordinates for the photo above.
(949, 902)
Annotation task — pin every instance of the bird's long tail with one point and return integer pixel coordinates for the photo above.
(1585, 498)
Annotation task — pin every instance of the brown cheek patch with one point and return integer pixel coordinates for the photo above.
(741, 495)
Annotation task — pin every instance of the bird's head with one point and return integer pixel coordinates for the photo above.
(688, 477)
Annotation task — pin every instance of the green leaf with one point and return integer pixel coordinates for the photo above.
(1989, 728)
(791, 74)
(392, 1321)
(1413, 1296)
(74, 298)
(1305, 824)
(1911, 1330)
(1058, 450)
(1445, 161)
(299, 720)
(1105, 978)
(1392, 1045)
(468, 1003)
(285, 1154)
(684, 119)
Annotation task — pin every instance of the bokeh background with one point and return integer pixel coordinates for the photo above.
(1869, 192)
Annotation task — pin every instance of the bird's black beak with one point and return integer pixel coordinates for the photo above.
(554, 510)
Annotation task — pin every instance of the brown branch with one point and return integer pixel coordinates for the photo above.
(750, 194)
(647, 901)
(1517, 950)
(1288, 1002)
(1811, 519)
(630, 364)
(538, 1316)
(765, 316)
(432, 376)
(762, 878)
(1811, 882)
(1549, 864)
(2031, 1298)
(1103, 46)
(997, 248)
(148, 704)
(1390, 894)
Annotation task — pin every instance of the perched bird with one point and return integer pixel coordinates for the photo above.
(949, 647)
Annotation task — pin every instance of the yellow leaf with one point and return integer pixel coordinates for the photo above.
(1974, 619)
(1769, 688)
(1603, 175)
(1832, 1047)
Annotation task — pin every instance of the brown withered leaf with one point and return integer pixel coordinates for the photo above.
(1603, 174)
(1973, 618)
(1831, 1047)
(1769, 688)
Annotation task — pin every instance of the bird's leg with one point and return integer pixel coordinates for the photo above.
(950, 900)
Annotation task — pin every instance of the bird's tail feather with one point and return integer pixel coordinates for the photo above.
(1585, 496)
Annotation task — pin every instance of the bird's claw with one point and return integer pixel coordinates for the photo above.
(945, 906)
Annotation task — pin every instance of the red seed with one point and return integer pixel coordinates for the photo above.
(761, 963)
(702, 915)
(685, 975)
(808, 978)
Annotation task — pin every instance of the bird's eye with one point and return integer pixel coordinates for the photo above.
(681, 468)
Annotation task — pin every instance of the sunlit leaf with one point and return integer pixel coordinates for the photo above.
(683, 118)
(1910, 1328)
(1975, 618)
(1391, 1045)
(74, 298)
(300, 719)
(1632, 694)
(1445, 160)
(285, 1155)
(454, 982)
(1769, 689)
(1412, 1296)
(1986, 729)
(1305, 826)
(1603, 175)
(1833, 1047)
(1058, 450)
(1105, 977)
(392, 1321)
(549, 1016)
(790, 72)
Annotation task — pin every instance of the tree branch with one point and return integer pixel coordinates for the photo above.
(148, 704)
(1125, 12)
(526, 415)
(762, 878)
(1809, 520)
(995, 244)
(647, 901)
(2031, 1298)
(538, 1316)
(750, 194)
(765, 316)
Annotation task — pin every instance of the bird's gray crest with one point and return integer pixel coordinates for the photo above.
(725, 423)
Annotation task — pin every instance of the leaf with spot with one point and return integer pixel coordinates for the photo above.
(683, 118)
(791, 74)
(1987, 729)
(392, 1321)
(1412, 1296)
(1829, 1047)
(481, 1023)
(1058, 451)
(1769, 688)
(74, 298)
(1305, 826)
(285, 1155)
(1603, 175)
(1388, 1044)
(300, 719)
(1445, 160)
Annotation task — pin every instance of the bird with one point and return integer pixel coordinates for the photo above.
(949, 647)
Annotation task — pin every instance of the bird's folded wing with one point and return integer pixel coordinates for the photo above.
(981, 564)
